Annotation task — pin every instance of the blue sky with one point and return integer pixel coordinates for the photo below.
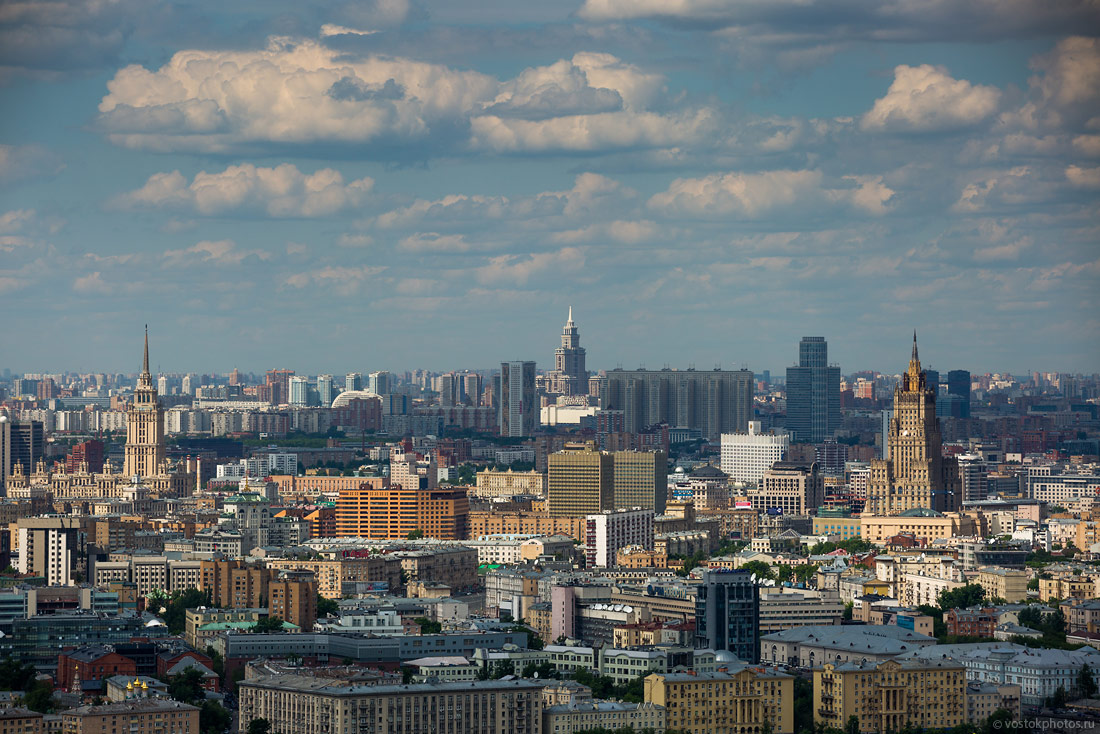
(358, 186)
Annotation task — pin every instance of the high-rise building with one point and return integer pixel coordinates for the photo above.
(5, 450)
(611, 530)
(380, 383)
(353, 381)
(831, 457)
(727, 614)
(915, 474)
(958, 384)
(299, 391)
(86, 453)
(145, 445)
(518, 410)
(569, 376)
(973, 477)
(278, 381)
(472, 388)
(326, 391)
(813, 393)
(579, 481)
(27, 445)
(394, 512)
(746, 456)
(792, 488)
(712, 402)
(52, 548)
(640, 480)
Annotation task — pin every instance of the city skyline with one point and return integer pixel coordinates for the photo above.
(431, 184)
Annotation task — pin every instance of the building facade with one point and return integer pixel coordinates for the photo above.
(746, 456)
(727, 614)
(519, 410)
(813, 393)
(569, 376)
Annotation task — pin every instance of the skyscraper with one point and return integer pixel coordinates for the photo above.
(958, 384)
(914, 475)
(353, 381)
(518, 410)
(299, 391)
(727, 614)
(579, 481)
(380, 383)
(569, 376)
(813, 393)
(145, 446)
(325, 390)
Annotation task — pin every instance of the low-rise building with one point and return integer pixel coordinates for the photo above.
(304, 705)
(810, 647)
(983, 699)
(568, 718)
(137, 716)
(1009, 584)
(15, 720)
(742, 699)
(888, 695)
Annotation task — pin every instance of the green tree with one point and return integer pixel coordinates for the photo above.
(851, 727)
(416, 534)
(965, 596)
(534, 642)
(40, 698)
(1058, 700)
(803, 705)
(804, 573)
(176, 606)
(327, 607)
(761, 569)
(16, 676)
(213, 718)
(428, 626)
(1086, 683)
(259, 726)
(849, 607)
(187, 686)
(997, 723)
(273, 623)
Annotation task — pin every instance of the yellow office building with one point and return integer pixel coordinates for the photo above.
(724, 703)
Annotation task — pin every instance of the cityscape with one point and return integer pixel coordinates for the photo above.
(597, 367)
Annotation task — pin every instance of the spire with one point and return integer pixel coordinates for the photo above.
(145, 361)
(570, 319)
(914, 357)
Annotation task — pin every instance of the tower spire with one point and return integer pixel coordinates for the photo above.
(145, 360)
(570, 319)
(915, 358)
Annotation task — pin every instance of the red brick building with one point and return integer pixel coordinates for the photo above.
(78, 666)
(972, 622)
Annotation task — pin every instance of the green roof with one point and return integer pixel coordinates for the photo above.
(921, 512)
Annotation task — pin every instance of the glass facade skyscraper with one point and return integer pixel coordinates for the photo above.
(813, 393)
(727, 614)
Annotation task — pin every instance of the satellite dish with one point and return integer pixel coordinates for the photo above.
(753, 579)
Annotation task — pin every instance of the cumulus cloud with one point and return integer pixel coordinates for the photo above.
(926, 98)
(283, 191)
(344, 280)
(48, 36)
(434, 242)
(1067, 88)
(518, 269)
(1083, 177)
(752, 195)
(301, 93)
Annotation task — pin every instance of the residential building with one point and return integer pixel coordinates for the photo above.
(888, 695)
(394, 512)
(306, 705)
(145, 447)
(792, 488)
(356, 573)
(135, 716)
(640, 479)
(579, 481)
(746, 456)
(712, 402)
(53, 548)
(813, 393)
(580, 716)
(611, 530)
(492, 484)
(518, 407)
(727, 614)
(744, 699)
(21, 721)
(1009, 584)
(811, 646)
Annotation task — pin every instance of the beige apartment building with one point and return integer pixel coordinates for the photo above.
(795, 488)
(1009, 584)
(492, 484)
(305, 705)
(137, 716)
(724, 703)
(339, 578)
(887, 695)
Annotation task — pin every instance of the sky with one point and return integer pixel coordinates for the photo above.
(339, 186)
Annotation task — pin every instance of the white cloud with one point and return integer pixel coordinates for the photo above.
(93, 284)
(1083, 177)
(302, 93)
(751, 195)
(331, 29)
(15, 220)
(223, 252)
(344, 280)
(926, 98)
(627, 232)
(518, 269)
(283, 191)
(434, 242)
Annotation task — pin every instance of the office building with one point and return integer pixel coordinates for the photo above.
(788, 488)
(52, 548)
(746, 456)
(306, 705)
(26, 444)
(736, 700)
(958, 386)
(813, 393)
(135, 716)
(915, 474)
(5, 450)
(891, 695)
(519, 411)
(569, 376)
(727, 614)
(712, 402)
(640, 480)
(609, 531)
(973, 477)
(85, 456)
(579, 481)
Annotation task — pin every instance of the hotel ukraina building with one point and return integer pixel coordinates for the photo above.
(146, 471)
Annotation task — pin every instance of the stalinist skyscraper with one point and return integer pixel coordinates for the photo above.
(914, 475)
(145, 445)
(569, 376)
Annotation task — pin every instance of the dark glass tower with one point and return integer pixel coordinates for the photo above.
(727, 614)
(958, 383)
(813, 393)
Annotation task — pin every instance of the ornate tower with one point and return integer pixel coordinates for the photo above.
(913, 474)
(569, 376)
(145, 446)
